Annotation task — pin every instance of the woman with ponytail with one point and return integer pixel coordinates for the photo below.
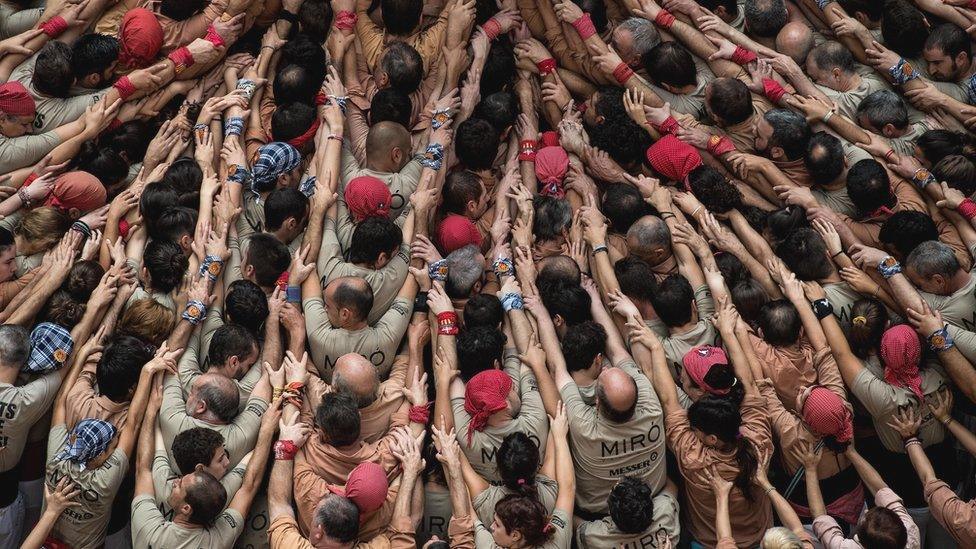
(714, 434)
(520, 521)
(518, 467)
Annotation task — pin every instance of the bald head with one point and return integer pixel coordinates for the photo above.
(796, 41)
(219, 394)
(559, 267)
(649, 239)
(355, 375)
(616, 392)
(383, 138)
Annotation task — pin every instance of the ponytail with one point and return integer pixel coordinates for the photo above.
(748, 462)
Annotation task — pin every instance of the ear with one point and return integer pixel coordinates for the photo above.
(862, 18)
(962, 58)
(558, 320)
(291, 223)
(186, 241)
(721, 12)
(74, 213)
(776, 152)
(144, 273)
(496, 364)
(198, 468)
(600, 118)
(383, 258)
(888, 130)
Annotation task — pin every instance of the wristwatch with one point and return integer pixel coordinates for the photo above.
(822, 308)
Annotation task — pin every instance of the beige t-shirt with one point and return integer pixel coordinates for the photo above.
(240, 435)
(20, 152)
(484, 503)
(531, 420)
(883, 400)
(54, 111)
(385, 282)
(20, 407)
(561, 538)
(150, 529)
(692, 104)
(402, 184)
(604, 534)
(84, 526)
(163, 476)
(437, 513)
(190, 368)
(378, 343)
(958, 309)
(848, 101)
(842, 298)
(676, 346)
(604, 451)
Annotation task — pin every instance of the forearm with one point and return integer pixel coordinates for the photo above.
(38, 535)
(723, 522)
(869, 475)
(923, 467)
(280, 489)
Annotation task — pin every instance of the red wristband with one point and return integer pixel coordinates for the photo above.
(213, 37)
(346, 20)
(546, 66)
(30, 179)
(492, 29)
(584, 26)
(773, 90)
(447, 323)
(622, 73)
(123, 228)
(670, 125)
(527, 150)
(967, 209)
(743, 56)
(419, 414)
(125, 88)
(664, 19)
(719, 145)
(54, 26)
(115, 123)
(285, 450)
(182, 58)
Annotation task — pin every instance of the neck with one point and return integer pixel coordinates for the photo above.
(8, 374)
(282, 236)
(850, 81)
(223, 370)
(583, 378)
(211, 418)
(499, 418)
(836, 184)
(184, 522)
(355, 325)
(960, 279)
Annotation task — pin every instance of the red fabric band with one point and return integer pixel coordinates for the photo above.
(492, 29)
(527, 150)
(214, 38)
(622, 73)
(447, 323)
(285, 450)
(972, 4)
(720, 145)
(419, 414)
(546, 66)
(346, 20)
(299, 141)
(967, 209)
(584, 26)
(113, 125)
(664, 19)
(282, 281)
(30, 179)
(182, 58)
(125, 88)
(743, 56)
(773, 90)
(54, 26)
(670, 125)
(123, 228)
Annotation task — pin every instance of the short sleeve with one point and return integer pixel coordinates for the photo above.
(877, 396)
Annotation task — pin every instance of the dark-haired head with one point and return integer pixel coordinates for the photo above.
(631, 504)
(905, 230)
(164, 262)
(518, 461)
(716, 422)
(479, 348)
(869, 319)
(805, 253)
(483, 310)
(583, 346)
(674, 301)
(779, 322)
(713, 190)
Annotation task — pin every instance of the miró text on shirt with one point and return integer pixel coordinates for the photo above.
(630, 444)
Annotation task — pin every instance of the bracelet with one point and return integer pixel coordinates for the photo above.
(124, 87)
(546, 66)
(742, 56)
(670, 125)
(967, 209)
(903, 71)
(492, 29)
(440, 117)
(82, 227)
(233, 126)
(433, 157)
(826, 117)
(584, 26)
(447, 323)
(773, 90)
(664, 215)
(913, 440)
(285, 450)
(211, 267)
(194, 312)
(54, 26)
(419, 414)
(345, 20)
(940, 340)
(339, 100)
(623, 73)
(512, 301)
(420, 303)
(293, 294)
(837, 254)
(527, 150)
(248, 86)
(770, 489)
(238, 174)
(276, 392)
(24, 199)
(889, 267)
(182, 58)
(823, 3)
(503, 266)
(947, 421)
(664, 19)
(923, 178)
(335, 136)
(438, 270)
(214, 37)
(602, 248)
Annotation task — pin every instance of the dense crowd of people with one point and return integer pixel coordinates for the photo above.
(487, 273)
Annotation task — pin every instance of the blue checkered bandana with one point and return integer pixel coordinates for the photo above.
(274, 159)
(88, 440)
(51, 346)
